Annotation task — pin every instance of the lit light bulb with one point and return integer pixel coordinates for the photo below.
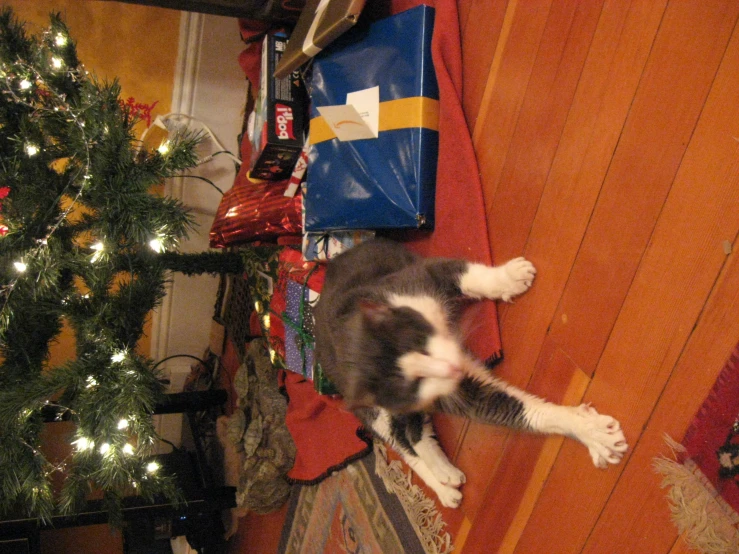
(157, 245)
(118, 357)
(104, 448)
(123, 424)
(20, 267)
(91, 382)
(57, 63)
(98, 247)
(128, 449)
(60, 39)
(152, 467)
(31, 150)
(163, 148)
(83, 443)
(25, 84)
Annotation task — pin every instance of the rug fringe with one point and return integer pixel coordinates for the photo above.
(705, 520)
(421, 510)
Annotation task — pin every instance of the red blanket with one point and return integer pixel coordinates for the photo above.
(460, 232)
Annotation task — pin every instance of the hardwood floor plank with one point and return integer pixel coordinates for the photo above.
(480, 37)
(677, 273)
(609, 80)
(637, 512)
(526, 463)
(659, 126)
(505, 86)
(554, 79)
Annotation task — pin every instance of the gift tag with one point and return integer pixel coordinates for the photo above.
(346, 123)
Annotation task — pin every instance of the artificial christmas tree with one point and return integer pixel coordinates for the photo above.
(83, 239)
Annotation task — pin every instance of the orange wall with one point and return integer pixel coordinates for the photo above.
(137, 45)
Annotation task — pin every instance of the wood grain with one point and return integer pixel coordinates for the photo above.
(684, 251)
(660, 123)
(562, 51)
(613, 164)
(480, 34)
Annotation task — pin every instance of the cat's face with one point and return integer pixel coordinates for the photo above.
(405, 356)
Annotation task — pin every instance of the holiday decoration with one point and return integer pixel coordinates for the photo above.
(84, 241)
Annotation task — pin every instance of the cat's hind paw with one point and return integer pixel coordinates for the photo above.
(450, 497)
(516, 278)
(448, 474)
(603, 437)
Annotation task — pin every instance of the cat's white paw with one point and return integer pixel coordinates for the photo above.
(450, 497)
(602, 435)
(447, 474)
(516, 278)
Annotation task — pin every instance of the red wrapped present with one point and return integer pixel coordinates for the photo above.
(254, 210)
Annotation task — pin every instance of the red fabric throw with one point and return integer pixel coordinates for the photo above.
(325, 434)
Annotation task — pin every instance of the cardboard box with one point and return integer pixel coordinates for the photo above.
(277, 127)
(320, 23)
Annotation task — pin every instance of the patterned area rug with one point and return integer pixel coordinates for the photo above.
(369, 507)
(702, 479)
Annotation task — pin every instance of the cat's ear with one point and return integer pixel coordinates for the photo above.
(374, 312)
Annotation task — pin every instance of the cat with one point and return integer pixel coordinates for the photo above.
(385, 336)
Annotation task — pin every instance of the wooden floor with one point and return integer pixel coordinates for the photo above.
(607, 134)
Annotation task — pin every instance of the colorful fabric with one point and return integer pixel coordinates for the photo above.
(370, 507)
(703, 480)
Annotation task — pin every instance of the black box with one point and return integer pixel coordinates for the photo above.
(279, 123)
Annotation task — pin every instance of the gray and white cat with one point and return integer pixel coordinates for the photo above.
(386, 336)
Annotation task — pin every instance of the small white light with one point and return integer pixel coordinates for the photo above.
(118, 357)
(25, 84)
(98, 247)
(163, 148)
(83, 443)
(152, 467)
(31, 150)
(128, 449)
(156, 245)
(20, 267)
(104, 448)
(60, 39)
(123, 424)
(91, 382)
(56, 63)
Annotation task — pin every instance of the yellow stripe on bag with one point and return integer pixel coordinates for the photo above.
(403, 113)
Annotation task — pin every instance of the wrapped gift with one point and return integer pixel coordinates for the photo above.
(325, 246)
(320, 22)
(253, 210)
(298, 322)
(377, 80)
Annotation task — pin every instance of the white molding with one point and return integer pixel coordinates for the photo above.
(183, 98)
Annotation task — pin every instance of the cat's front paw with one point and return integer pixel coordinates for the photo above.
(517, 277)
(603, 437)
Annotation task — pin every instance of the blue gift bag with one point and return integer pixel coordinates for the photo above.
(389, 181)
